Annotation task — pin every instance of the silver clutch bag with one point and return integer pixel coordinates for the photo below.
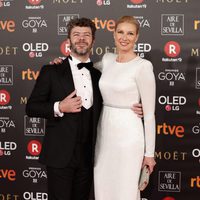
(144, 178)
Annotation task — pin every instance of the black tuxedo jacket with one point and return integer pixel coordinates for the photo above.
(54, 83)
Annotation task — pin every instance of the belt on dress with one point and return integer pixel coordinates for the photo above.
(116, 106)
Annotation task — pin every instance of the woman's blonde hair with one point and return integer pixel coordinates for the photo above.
(128, 19)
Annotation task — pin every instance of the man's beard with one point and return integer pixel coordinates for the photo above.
(81, 52)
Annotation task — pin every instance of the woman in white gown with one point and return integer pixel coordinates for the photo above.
(124, 145)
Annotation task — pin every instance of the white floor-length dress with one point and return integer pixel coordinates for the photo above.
(122, 140)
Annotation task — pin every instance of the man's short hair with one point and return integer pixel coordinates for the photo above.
(81, 22)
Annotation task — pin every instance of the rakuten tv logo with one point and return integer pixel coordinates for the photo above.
(5, 100)
(136, 1)
(34, 148)
(7, 25)
(169, 198)
(198, 111)
(7, 174)
(34, 2)
(65, 48)
(35, 50)
(136, 4)
(4, 97)
(172, 103)
(172, 49)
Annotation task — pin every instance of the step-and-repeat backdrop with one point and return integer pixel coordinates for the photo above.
(33, 32)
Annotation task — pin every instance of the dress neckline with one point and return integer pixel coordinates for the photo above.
(134, 59)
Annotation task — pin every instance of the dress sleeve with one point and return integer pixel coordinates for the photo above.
(98, 65)
(147, 89)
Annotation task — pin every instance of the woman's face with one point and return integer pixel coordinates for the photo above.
(125, 37)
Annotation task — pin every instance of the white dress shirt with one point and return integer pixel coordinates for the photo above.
(83, 85)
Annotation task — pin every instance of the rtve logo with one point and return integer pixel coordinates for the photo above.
(104, 24)
(176, 130)
(195, 182)
(7, 25)
(8, 174)
(30, 75)
(196, 24)
(172, 49)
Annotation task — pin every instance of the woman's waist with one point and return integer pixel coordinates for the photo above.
(119, 105)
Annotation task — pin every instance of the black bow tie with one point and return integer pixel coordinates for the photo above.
(87, 65)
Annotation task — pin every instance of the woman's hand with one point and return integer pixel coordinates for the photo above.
(56, 61)
(149, 162)
(137, 108)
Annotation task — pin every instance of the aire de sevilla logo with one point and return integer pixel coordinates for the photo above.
(4, 97)
(34, 147)
(34, 2)
(136, 1)
(65, 48)
(172, 49)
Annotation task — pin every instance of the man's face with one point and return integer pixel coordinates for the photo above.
(81, 40)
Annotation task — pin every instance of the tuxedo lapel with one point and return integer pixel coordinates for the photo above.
(65, 75)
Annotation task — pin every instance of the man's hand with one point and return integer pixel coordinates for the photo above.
(71, 103)
(56, 61)
(137, 108)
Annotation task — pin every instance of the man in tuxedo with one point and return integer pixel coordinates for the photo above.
(68, 96)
